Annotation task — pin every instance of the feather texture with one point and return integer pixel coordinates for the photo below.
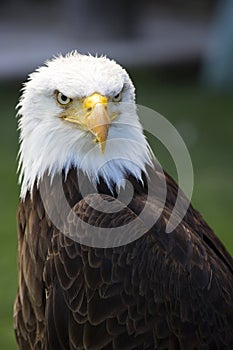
(162, 291)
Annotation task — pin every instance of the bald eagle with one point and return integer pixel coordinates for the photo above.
(152, 291)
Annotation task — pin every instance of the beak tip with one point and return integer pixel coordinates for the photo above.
(102, 147)
(102, 144)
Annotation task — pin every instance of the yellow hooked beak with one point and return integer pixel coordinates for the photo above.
(98, 120)
(92, 116)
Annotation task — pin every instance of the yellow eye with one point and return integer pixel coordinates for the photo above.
(117, 98)
(62, 99)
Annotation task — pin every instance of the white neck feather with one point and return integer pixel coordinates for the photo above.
(61, 148)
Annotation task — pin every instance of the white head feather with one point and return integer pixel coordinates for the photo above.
(48, 144)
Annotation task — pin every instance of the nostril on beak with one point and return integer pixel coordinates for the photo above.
(89, 109)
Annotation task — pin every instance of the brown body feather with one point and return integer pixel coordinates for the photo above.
(162, 291)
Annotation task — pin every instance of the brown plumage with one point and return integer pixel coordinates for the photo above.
(162, 291)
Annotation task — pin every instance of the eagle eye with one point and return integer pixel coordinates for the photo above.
(117, 98)
(62, 99)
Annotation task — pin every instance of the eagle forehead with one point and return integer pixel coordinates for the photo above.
(80, 77)
(86, 65)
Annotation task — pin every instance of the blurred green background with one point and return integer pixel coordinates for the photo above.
(179, 54)
(204, 119)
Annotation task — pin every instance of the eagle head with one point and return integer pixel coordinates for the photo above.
(79, 111)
